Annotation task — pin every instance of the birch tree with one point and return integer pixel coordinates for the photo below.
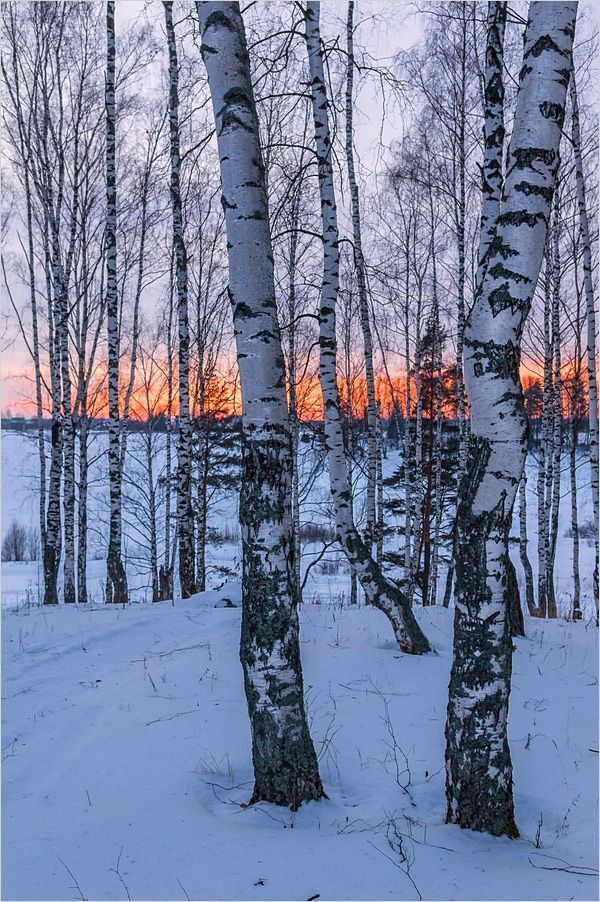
(590, 319)
(285, 763)
(478, 764)
(185, 514)
(378, 590)
(116, 578)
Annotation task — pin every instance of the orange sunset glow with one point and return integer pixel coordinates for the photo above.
(222, 395)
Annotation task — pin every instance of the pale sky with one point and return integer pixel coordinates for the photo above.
(387, 28)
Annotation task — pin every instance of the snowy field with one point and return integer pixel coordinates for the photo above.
(328, 582)
(126, 746)
(127, 762)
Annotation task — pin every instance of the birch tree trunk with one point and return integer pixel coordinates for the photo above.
(460, 235)
(545, 459)
(523, 542)
(574, 432)
(557, 440)
(359, 265)
(590, 320)
(379, 523)
(292, 378)
(285, 763)
(493, 133)
(417, 494)
(116, 579)
(478, 764)
(439, 422)
(167, 585)
(185, 513)
(378, 590)
(407, 445)
(82, 520)
(53, 543)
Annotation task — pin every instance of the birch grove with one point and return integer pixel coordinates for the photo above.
(303, 310)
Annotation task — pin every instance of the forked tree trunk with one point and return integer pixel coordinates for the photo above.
(285, 763)
(116, 579)
(378, 590)
(185, 513)
(590, 322)
(478, 765)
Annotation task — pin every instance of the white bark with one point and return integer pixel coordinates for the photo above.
(285, 764)
(478, 764)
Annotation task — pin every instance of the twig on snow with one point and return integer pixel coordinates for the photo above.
(118, 873)
(567, 868)
(73, 878)
(184, 889)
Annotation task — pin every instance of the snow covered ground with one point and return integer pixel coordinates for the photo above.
(127, 761)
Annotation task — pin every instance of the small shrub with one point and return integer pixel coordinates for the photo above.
(14, 545)
(586, 532)
(316, 532)
(227, 535)
(329, 568)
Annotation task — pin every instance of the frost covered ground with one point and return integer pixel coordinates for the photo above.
(127, 762)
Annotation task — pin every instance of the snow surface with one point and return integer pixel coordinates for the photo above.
(127, 761)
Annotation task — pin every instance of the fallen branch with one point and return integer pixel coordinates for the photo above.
(581, 870)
